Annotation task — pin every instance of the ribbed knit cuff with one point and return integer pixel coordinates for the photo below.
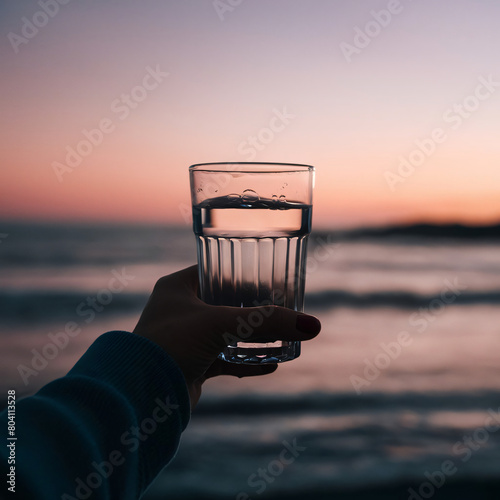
(128, 395)
(138, 368)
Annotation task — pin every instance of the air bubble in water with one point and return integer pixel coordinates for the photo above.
(250, 196)
(233, 199)
(282, 198)
(274, 197)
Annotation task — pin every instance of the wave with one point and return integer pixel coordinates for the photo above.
(61, 245)
(24, 307)
(48, 305)
(43, 244)
(454, 489)
(377, 448)
(396, 299)
(416, 232)
(346, 403)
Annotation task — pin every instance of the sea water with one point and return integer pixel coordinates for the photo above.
(252, 252)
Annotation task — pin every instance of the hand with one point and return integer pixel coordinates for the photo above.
(192, 332)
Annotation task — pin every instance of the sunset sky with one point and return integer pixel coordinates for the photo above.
(356, 88)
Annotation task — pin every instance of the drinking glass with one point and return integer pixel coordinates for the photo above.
(251, 222)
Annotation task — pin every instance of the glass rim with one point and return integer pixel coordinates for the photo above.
(246, 167)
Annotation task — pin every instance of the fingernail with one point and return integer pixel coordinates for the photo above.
(308, 324)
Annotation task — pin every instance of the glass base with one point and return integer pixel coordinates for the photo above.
(247, 353)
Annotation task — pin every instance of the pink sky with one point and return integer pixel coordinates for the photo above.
(268, 82)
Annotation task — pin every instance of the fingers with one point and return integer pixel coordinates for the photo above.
(220, 367)
(235, 324)
(265, 323)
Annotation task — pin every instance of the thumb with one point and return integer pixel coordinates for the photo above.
(265, 324)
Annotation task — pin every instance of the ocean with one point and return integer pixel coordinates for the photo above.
(398, 397)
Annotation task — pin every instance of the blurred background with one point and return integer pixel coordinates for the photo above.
(396, 104)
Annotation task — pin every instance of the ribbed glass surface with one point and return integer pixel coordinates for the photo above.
(245, 272)
(252, 271)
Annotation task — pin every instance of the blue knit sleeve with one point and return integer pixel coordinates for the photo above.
(106, 429)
